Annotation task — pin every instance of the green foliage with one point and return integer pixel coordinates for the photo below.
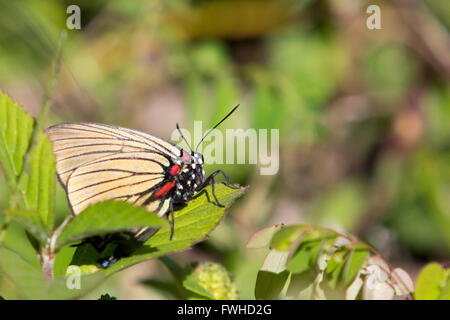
(389, 70)
(107, 297)
(37, 183)
(197, 281)
(192, 224)
(31, 221)
(28, 282)
(344, 101)
(107, 217)
(212, 281)
(433, 283)
(29, 164)
(16, 127)
(305, 262)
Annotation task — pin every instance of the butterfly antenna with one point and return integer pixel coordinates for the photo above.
(181, 133)
(209, 131)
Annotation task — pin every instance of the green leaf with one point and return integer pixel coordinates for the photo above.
(269, 285)
(335, 266)
(301, 285)
(445, 292)
(286, 237)
(30, 283)
(300, 261)
(36, 171)
(177, 271)
(31, 221)
(16, 128)
(432, 279)
(358, 256)
(322, 263)
(272, 276)
(38, 185)
(191, 283)
(262, 238)
(192, 224)
(165, 287)
(108, 217)
(305, 255)
(211, 281)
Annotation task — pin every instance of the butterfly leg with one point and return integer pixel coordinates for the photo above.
(210, 180)
(172, 223)
(229, 183)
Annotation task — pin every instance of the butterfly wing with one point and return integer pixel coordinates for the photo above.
(97, 162)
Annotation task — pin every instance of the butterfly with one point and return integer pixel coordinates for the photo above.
(97, 162)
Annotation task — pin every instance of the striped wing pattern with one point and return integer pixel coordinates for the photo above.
(97, 162)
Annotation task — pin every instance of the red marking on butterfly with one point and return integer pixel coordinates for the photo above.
(165, 188)
(174, 169)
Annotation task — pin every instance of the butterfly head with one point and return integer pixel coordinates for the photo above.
(197, 168)
(191, 178)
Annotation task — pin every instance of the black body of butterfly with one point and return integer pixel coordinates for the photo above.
(96, 162)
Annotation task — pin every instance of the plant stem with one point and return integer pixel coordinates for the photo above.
(49, 251)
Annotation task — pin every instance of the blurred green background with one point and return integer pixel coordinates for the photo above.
(363, 115)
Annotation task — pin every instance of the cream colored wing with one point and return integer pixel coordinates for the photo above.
(75, 144)
(128, 176)
(96, 162)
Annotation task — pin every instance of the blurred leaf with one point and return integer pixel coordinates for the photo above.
(210, 281)
(431, 282)
(272, 276)
(16, 127)
(231, 19)
(341, 205)
(38, 185)
(355, 262)
(165, 287)
(263, 237)
(440, 9)
(283, 239)
(31, 221)
(301, 285)
(312, 62)
(31, 283)
(214, 280)
(107, 217)
(419, 213)
(16, 239)
(300, 261)
(177, 272)
(437, 110)
(329, 260)
(445, 293)
(336, 266)
(390, 70)
(306, 253)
